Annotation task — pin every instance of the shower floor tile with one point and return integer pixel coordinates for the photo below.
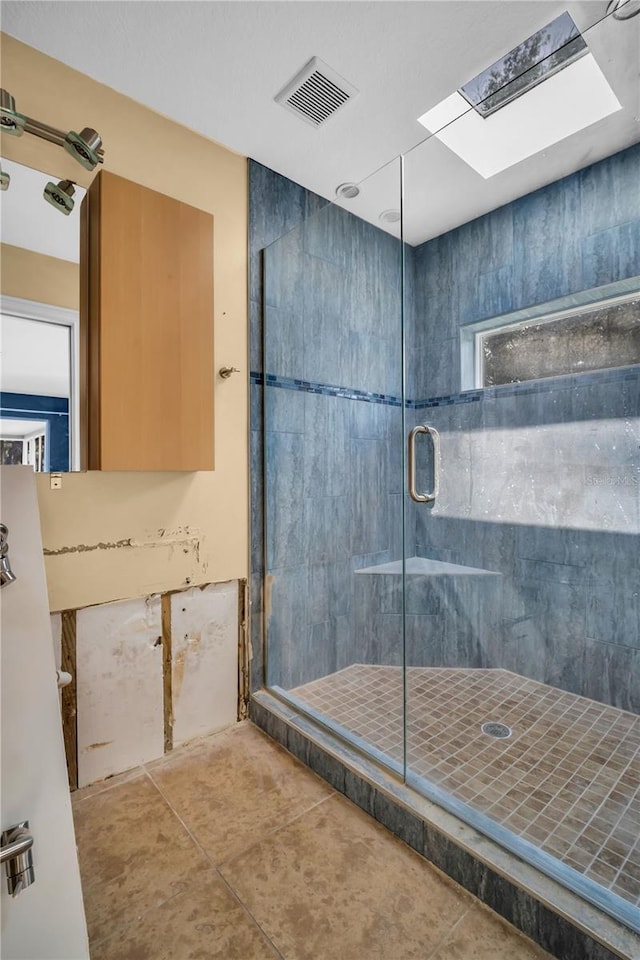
(567, 779)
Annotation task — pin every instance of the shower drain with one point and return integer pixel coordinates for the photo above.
(498, 730)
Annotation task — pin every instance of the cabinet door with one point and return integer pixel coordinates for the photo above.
(147, 312)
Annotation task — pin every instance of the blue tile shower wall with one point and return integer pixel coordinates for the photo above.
(565, 608)
(327, 368)
(575, 234)
(525, 490)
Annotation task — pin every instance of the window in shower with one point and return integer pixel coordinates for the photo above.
(551, 342)
(571, 343)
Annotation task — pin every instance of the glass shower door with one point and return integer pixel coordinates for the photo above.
(334, 441)
(523, 582)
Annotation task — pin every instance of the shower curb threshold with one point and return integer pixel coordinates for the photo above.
(550, 914)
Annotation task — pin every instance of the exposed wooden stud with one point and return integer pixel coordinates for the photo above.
(167, 672)
(244, 664)
(69, 696)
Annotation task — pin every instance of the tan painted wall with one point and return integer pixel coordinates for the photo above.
(34, 276)
(114, 535)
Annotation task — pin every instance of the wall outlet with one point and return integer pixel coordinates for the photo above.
(55, 480)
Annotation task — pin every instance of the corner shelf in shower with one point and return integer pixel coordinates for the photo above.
(423, 567)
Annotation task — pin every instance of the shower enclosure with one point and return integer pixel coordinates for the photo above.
(446, 418)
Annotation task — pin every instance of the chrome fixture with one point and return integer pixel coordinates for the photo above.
(225, 372)
(85, 147)
(11, 121)
(60, 195)
(623, 9)
(6, 573)
(435, 440)
(16, 853)
(5, 179)
(499, 731)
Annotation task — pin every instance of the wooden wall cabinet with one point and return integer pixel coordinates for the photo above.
(146, 306)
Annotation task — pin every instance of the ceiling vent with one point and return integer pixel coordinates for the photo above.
(316, 93)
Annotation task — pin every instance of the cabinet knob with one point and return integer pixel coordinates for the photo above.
(225, 372)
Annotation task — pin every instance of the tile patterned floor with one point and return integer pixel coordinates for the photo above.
(568, 778)
(233, 850)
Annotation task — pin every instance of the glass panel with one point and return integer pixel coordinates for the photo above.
(35, 402)
(334, 440)
(523, 580)
(39, 324)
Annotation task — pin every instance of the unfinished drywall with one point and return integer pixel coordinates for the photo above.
(119, 687)
(204, 675)
(111, 536)
(149, 674)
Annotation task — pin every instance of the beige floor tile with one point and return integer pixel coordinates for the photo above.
(101, 785)
(134, 854)
(481, 935)
(335, 885)
(204, 923)
(235, 788)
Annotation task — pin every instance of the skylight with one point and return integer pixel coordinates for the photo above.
(508, 124)
(541, 55)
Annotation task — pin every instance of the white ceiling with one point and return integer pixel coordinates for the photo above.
(35, 356)
(17, 429)
(216, 67)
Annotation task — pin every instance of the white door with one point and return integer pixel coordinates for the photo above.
(46, 920)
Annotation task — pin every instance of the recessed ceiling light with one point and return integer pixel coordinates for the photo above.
(565, 103)
(347, 191)
(389, 216)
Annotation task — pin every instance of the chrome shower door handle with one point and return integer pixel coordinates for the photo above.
(15, 852)
(435, 440)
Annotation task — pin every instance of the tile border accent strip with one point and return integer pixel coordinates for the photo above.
(526, 388)
(326, 389)
(490, 881)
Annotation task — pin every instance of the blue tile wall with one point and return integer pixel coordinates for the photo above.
(326, 409)
(568, 611)
(277, 207)
(580, 232)
(328, 288)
